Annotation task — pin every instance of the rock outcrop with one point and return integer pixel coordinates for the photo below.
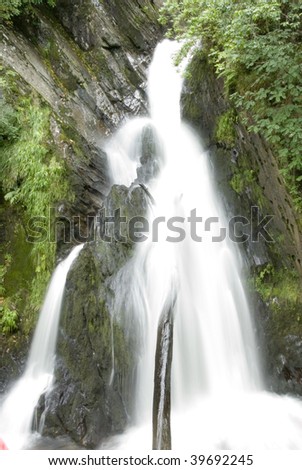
(95, 370)
(162, 439)
(88, 60)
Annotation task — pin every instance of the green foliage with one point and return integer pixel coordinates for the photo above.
(10, 8)
(33, 179)
(3, 271)
(8, 319)
(237, 183)
(256, 46)
(9, 127)
(8, 312)
(8, 122)
(242, 179)
(225, 130)
(31, 175)
(263, 281)
(278, 286)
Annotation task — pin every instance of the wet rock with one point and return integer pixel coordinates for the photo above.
(162, 382)
(13, 354)
(92, 397)
(151, 156)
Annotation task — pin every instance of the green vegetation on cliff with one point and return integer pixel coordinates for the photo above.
(256, 46)
(32, 179)
(10, 8)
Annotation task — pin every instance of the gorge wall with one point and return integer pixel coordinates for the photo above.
(80, 69)
(85, 63)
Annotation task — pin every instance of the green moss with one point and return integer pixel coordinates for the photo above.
(8, 311)
(149, 11)
(278, 286)
(98, 65)
(87, 59)
(242, 179)
(16, 274)
(9, 84)
(91, 327)
(225, 129)
(191, 108)
(124, 351)
(237, 183)
(245, 179)
(52, 51)
(21, 271)
(72, 137)
(59, 67)
(195, 73)
(280, 289)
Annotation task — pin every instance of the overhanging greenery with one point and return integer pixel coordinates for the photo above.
(10, 8)
(256, 46)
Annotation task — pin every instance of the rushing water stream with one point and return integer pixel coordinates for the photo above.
(17, 411)
(218, 396)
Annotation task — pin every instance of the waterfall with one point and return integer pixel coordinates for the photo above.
(17, 410)
(181, 300)
(218, 393)
(125, 151)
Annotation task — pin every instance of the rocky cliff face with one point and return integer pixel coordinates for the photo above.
(85, 61)
(88, 61)
(95, 371)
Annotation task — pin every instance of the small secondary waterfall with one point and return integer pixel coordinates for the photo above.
(17, 410)
(218, 397)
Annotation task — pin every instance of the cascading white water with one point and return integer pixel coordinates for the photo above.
(17, 410)
(125, 151)
(213, 330)
(217, 388)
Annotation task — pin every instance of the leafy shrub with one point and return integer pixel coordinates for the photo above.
(32, 178)
(8, 319)
(8, 122)
(10, 8)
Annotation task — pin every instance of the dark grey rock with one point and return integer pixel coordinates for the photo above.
(88, 403)
(162, 439)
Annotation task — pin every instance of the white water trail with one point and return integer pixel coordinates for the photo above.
(125, 149)
(218, 397)
(17, 410)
